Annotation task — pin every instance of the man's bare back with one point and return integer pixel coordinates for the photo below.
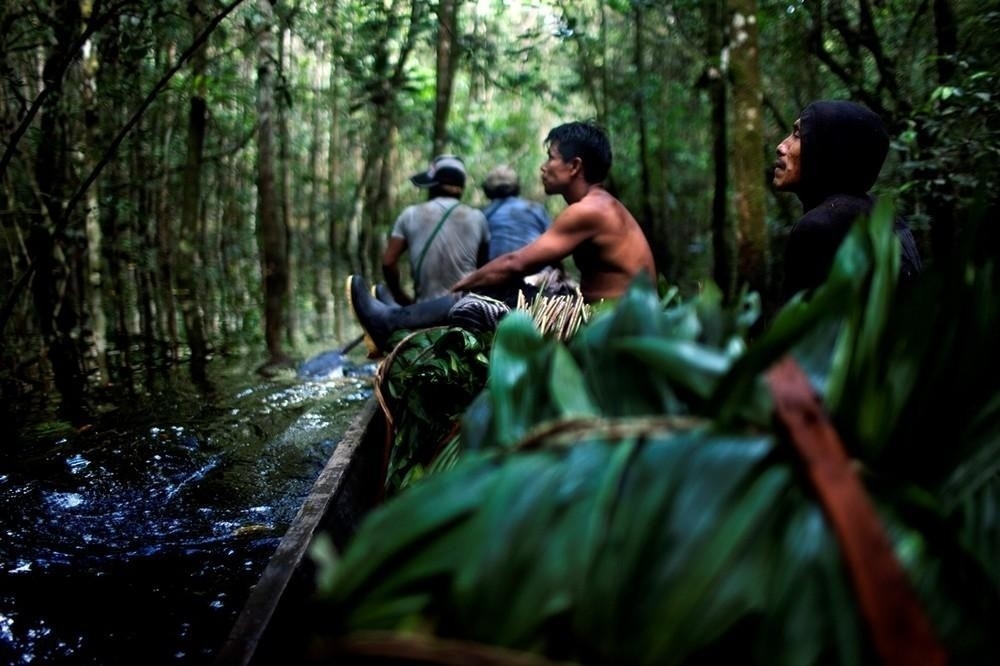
(616, 250)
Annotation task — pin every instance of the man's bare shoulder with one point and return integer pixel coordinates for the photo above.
(596, 209)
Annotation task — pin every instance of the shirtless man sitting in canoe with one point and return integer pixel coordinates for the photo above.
(606, 243)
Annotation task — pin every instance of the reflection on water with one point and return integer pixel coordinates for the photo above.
(136, 539)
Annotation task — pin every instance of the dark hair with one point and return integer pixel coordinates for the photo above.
(445, 190)
(586, 140)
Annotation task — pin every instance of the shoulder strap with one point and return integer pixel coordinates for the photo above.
(427, 245)
(493, 208)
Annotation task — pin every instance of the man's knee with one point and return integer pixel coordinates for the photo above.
(478, 313)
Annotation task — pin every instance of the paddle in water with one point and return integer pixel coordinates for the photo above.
(328, 364)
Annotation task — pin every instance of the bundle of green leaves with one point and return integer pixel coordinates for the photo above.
(427, 383)
(626, 497)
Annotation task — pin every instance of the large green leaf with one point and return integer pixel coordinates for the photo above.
(520, 357)
(568, 387)
(644, 549)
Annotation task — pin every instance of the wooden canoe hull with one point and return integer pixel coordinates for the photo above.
(268, 629)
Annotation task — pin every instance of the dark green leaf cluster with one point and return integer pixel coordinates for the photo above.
(647, 356)
(432, 378)
(962, 123)
(625, 499)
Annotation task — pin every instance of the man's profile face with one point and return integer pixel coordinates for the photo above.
(555, 172)
(788, 165)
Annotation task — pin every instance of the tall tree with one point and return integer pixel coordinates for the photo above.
(58, 255)
(190, 266)
(642, 124)
(336, 167)
(272, 234)
(315, 250)
(447, 54)
(723, 235)
(748, 146)
(286, 193)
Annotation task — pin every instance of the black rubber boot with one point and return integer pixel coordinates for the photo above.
(380, 321)
(384, 294)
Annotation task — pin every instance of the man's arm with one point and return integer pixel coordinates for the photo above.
(390, 269)
(567, 232)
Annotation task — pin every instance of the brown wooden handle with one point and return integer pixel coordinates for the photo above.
(900, 631)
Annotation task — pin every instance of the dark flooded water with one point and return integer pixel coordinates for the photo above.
(135, 538)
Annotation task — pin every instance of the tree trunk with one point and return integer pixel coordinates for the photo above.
(57, 255)
(160, 222)
(314, 253)
(189, 264)
(942, 209)
(645, 184)
(285, 192)
(946, 38)
(272, 235)
(748, 147)
(336, 217)
(723, 241)
(447, 53)
(162, 227)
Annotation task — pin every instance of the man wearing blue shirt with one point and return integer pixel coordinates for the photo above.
(513, 220)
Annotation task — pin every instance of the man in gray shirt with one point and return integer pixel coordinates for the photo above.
(446, 238)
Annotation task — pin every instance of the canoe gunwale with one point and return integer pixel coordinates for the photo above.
(345, 489)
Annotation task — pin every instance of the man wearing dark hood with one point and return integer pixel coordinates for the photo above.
(830, 160)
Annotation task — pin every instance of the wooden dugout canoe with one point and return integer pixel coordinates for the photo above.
(267, 629)
(270, 628)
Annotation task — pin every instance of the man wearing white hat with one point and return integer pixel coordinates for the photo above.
(514, 220)
(446, 239)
